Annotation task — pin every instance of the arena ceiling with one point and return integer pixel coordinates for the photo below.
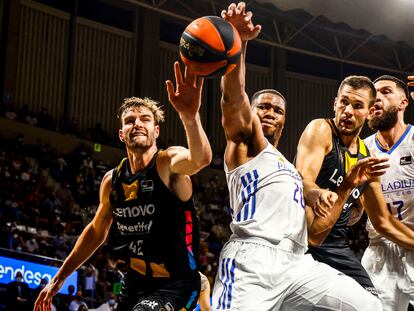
(376, 34)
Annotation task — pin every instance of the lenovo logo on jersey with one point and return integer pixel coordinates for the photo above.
(135, 211)
(406, 160)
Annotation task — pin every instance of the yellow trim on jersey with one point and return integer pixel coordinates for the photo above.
(158, 270)
(351, 160)
(118, 169)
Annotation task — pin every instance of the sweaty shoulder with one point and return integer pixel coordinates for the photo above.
(106, 187)
(107, 179)
(319, 131)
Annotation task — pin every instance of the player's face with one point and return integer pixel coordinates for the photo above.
(351, 110)
(384, 114)
(138, 128)
(271, 110)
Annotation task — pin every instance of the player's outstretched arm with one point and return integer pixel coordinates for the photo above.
(91, 238)
(382, 220)
(185, 97)
(237, 117)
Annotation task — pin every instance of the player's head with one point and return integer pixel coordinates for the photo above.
(392, 99)
(139, 122)
(270, 106)
(356, 95)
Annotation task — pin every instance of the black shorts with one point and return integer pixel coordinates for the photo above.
(344, 260)
(140, 294)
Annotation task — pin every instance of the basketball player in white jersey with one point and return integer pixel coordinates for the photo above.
(264, 266)
(391, 267)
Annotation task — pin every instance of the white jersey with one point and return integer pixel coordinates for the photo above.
(266, 198)
(398, 182)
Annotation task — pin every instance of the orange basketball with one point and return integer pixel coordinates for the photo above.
(210, 46)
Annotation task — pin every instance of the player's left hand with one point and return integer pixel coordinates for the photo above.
(411, 83)
(365, 170)
(186, 97)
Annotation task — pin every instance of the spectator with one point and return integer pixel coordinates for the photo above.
(32, 246)
(45, 120)
(110, 305)
(76, 303)
(18, 294)
(11, 112)
(37, 290)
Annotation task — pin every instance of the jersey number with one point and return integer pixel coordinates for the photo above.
(398, 205)
(298, 195)
(135, 247)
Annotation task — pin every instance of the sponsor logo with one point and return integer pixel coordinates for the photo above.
(287, 167)
(398, 185)
(147, 185)
(32, 273)
(134, 211)
(150, 303)
(141, 227)
(130, 191)
(406, 160)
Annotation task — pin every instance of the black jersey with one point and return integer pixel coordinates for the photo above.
(335, 251)
(153, 231)
(334, 168)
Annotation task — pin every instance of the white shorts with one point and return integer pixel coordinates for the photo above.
(254, 276)
(391, 269)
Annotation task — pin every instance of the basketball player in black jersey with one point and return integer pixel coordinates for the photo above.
(326, 151)
(148, 201)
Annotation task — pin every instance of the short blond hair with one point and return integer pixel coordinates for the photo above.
(135, 102)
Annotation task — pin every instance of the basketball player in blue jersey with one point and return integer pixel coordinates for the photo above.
(148, 201)
(327, 149)
(263, 266)
(390, 266)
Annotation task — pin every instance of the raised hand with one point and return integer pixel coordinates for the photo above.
(241, 20)
(365, 170)
(186, 97)
(411, 83)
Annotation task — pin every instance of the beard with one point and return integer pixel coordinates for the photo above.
(385, 122)
(136, 145)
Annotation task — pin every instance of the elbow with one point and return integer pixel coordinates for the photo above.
(382, 226)
(205, 161)
(315, 239)
(315, 242)
(389, 231)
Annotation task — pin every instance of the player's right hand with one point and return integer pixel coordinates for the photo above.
(242, 21)
(44, 300)
(324, 202)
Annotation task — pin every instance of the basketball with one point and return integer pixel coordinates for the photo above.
(210, 46)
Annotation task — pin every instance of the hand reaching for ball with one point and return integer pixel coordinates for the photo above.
(242, 21)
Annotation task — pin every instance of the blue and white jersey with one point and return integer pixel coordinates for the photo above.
(266, 198)
(398, 182)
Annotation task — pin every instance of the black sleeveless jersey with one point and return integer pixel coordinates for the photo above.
(153, 231)
(334, 167)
